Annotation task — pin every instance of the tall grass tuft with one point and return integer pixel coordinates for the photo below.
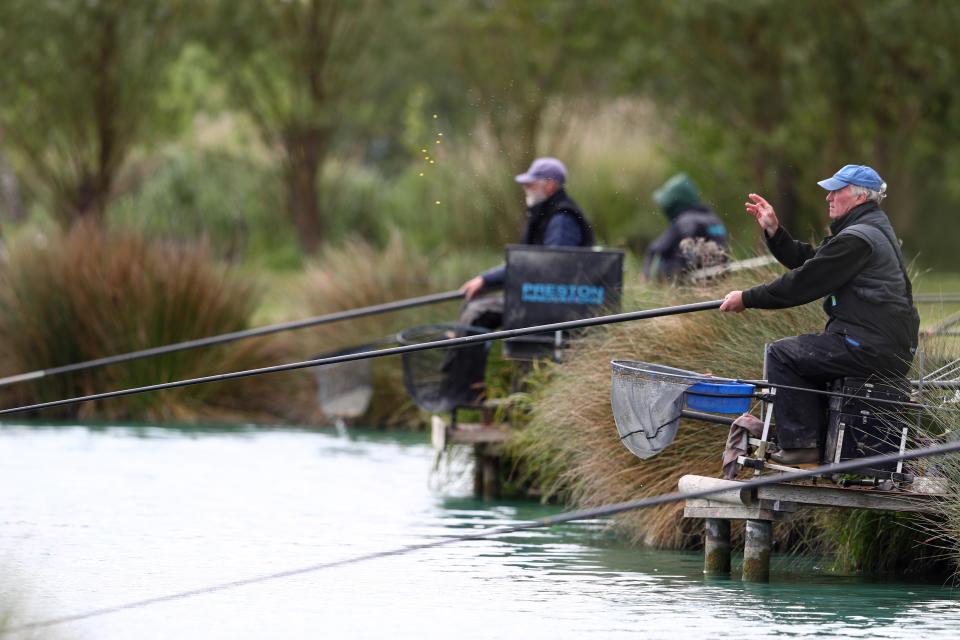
(932, 539)
(92, 293)
(571, 448)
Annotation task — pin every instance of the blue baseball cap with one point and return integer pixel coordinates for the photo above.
(543, 169)
(858, 174)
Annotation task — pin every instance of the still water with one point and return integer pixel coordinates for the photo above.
(96, 517)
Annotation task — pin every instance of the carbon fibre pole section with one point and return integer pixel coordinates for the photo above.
(452, 342)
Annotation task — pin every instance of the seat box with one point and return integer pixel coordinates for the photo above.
(868, 427)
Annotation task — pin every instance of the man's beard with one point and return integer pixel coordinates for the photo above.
(535, 196)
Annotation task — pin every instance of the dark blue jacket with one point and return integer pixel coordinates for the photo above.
(555, 222)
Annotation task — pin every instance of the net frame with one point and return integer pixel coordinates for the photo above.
(444, 379)
(647, 400)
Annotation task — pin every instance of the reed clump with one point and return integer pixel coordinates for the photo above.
(571, 448)
(90, 293)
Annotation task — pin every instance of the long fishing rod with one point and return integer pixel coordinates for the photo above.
(561, 518)
(936, 297)
(450, 342)
(236, 335)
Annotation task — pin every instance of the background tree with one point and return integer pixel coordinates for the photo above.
(11, 204)
(776, 95)
(513, 56)
(293, 67)
(81, 81)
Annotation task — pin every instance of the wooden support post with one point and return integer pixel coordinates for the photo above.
(756, 550)
(716, 546)
(486, 472)
(491, 475)
(478, 470)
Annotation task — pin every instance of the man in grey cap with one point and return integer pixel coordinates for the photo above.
(859, 273)
(553, 220)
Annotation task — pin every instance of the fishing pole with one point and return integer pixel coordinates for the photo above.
(235, 335)
(561, 518)
(436, 344)
(936, 297)
(357, 348)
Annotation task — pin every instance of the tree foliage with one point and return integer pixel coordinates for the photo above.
(82, 81)
(771, 95)
(752, 95)
(292, 66)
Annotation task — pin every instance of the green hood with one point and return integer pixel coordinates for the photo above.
(678, 194)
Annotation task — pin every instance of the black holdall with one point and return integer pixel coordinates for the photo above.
(554, 284)
(857, 427)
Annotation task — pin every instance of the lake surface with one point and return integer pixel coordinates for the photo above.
(96, 517)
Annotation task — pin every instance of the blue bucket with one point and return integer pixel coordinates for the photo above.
(720, 397)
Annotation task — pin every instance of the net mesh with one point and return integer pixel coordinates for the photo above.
(439, 380)
(647, 400)
(344, 389)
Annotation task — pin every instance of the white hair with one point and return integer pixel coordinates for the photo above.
(877, 195)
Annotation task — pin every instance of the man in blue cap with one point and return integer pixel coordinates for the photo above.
(859, 273)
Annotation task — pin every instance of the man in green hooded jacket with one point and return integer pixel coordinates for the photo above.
(669, 256)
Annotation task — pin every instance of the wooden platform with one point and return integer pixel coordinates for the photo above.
(442, 434)
(760, 507)
(780, 502)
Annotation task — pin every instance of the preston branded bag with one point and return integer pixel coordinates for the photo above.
(545, 285)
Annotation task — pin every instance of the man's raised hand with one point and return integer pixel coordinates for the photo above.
(764, 213)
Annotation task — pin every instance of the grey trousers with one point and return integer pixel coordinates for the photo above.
(486, 312)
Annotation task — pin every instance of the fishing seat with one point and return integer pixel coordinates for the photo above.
(868, 424)
(546, 285)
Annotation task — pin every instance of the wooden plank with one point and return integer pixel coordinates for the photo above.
(737, 495)
(705, 509)
(850, 498)
(474, 433)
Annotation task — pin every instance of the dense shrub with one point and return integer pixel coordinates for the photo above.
(91, 293)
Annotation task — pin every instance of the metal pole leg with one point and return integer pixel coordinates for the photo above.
(716, 546)
(756, 551)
